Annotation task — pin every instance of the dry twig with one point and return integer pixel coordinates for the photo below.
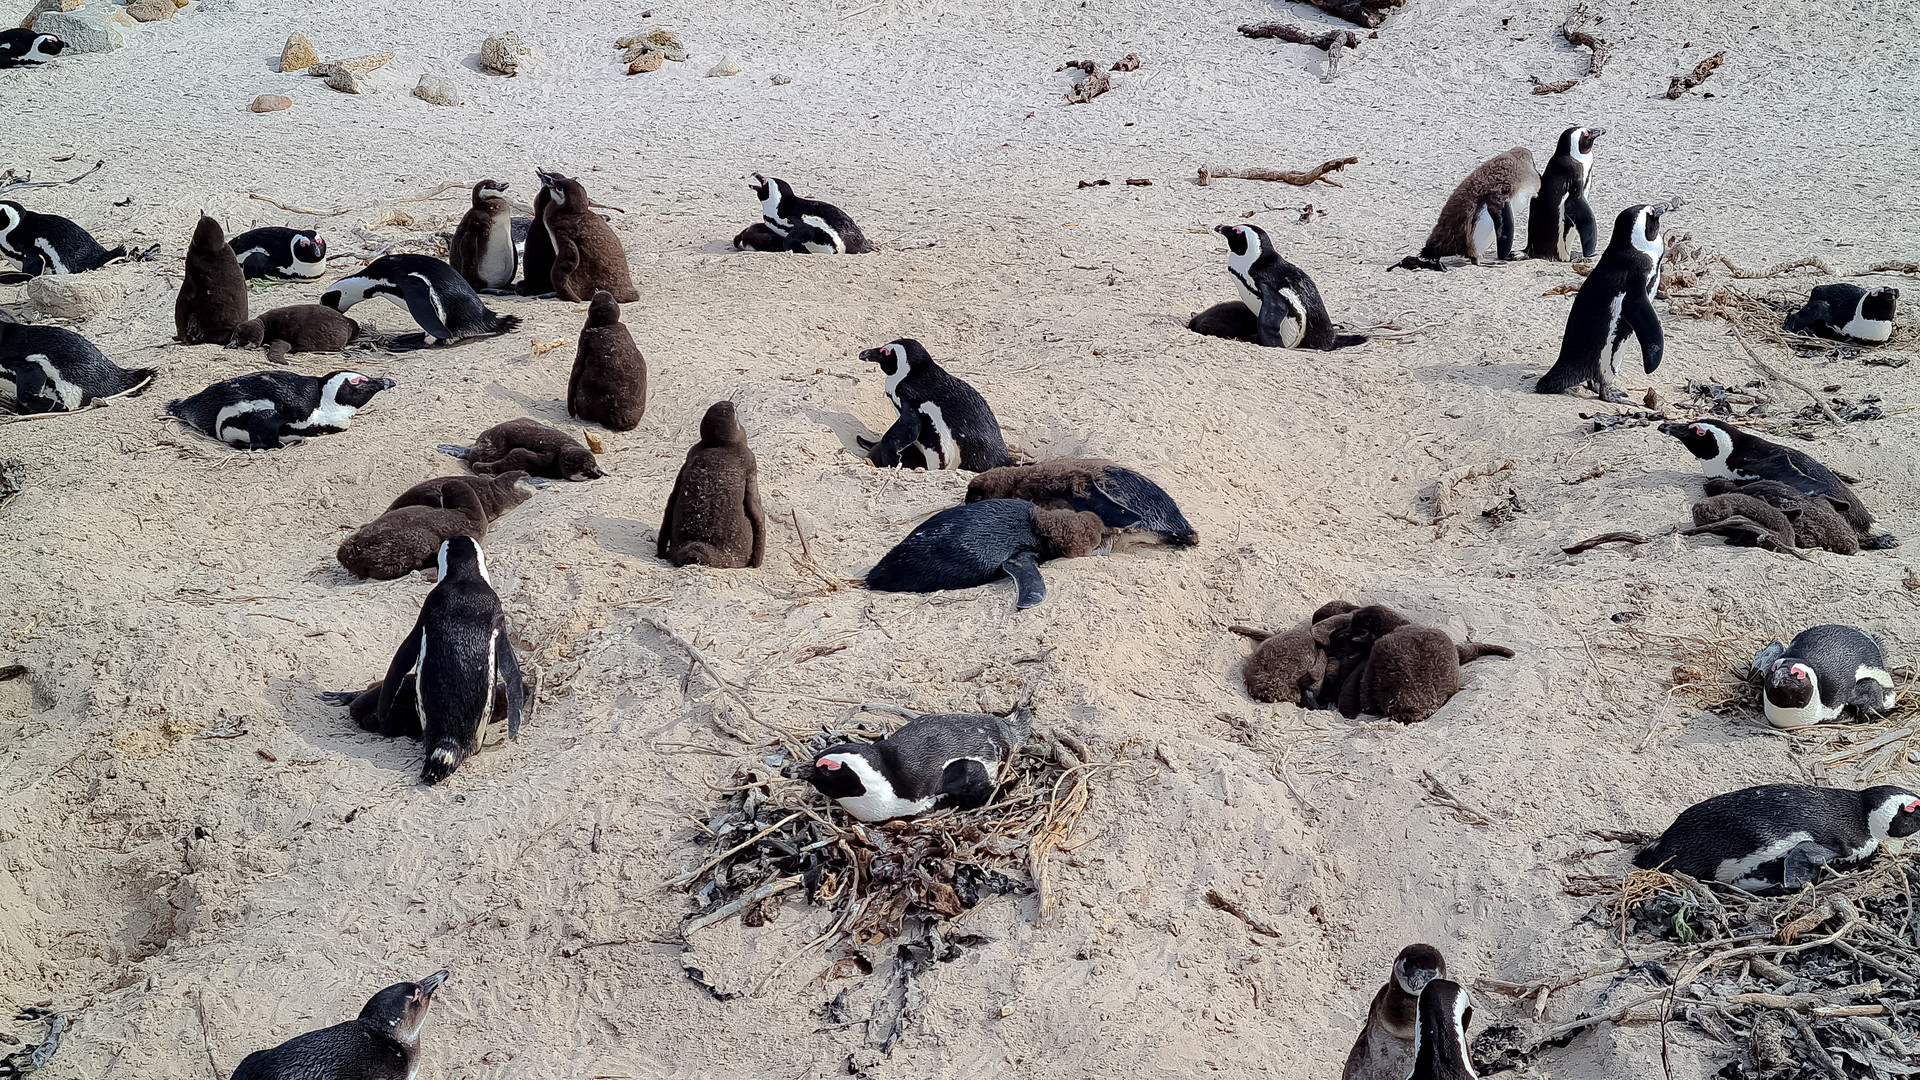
(1296, 177)
(1683, 83)
(1578, 30)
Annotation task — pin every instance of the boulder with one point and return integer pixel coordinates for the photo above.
(438, 90)
(147, 11)
(503, 54)
(299, 54)
(271, 103)
(84, 31)
(77, 296)
(647, 61)
(49, 5)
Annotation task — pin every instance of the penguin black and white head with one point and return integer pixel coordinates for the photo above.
(22, 46)
(1440, 1045)
(1775, 838)
(776, 196)
(1288, 312)
(1577, 143)
(935, 761)
(941, 422)
(383, 1043)
(1560, 223)
(1734, 454)
(1822, 672)
(435, 294)
(275, 252)
(1384, 1050)
(1844, 312)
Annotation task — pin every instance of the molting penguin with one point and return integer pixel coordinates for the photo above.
(587, 256)
(482, 249)
(1384, 1050)
(253, 411)
(382, 1044)
(1821, 673)
(439, 299)
(460, 653)
(609, 381)
(296, 328)
(943, 423)
(1560, 225)
(406, 539)
(1845, 312)
(1773, 838)
(1279, 305)
(49, 243)
(56, 370)
(791, 223)
(1615, 302)
(964, 547)
(1123, 498)
(714, 517)
(1731, 453)
(22, 47)
(1440, 1044)
(213, 295)
(274, 252)
(936, 761)
(530, 446)
(1477, 220)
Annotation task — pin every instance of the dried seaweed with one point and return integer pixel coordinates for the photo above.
(33, 1058)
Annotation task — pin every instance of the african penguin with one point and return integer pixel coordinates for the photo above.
(212, 302)
(275, 252)
(1729, 452)
(1409, 671)
(1284, 305)
(482, 249)
(56, 370)
(437, 297)
(1847, 313)
(253, 411)
(1293, 665)
(1440, 1040)
(608, 384)
(1124, 499)
(1773, 838)
(936, 761)
(459, 652)
(587, 254)
(401, 541)
(49, 243)
(1615, 302)
(1477, 221)
(296, 328)
(1384, 1050)
(713, 516)
(791, 223)
(22, 46)
(1820, 673)
(943, 423)
(382, 1044)
(1560, 225)
(964, 547)
(530, 446)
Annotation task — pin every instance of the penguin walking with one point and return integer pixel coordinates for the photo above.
(1843, 312)
(1279, 305)
(482, 250)
(937, 761)
(1477, 220)
(1728, 452)
(964, 547)
(1384, 1050)
(213, 292)
(1560, 224)
(383, 1043)
(437, 297)
(1615, 302)
(49, 243)
(56, 370)
(713, 516)
(1440, 1044)
(943, 423)
(276, 252)
(253, 411)
(1820, 674)
(23, 47)
(1773, 838)
(459, 652)
(1124, 499)
(791, 223)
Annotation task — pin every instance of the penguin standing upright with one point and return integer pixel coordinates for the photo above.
(1731, 453)
(382, 1044)
(587, 255)
(275, 252)
(1440, 1044)
(1384, 1050)
(482, 248)
(22, 47)
(459, 652)
(213, 292)
(1477, 221)
(1844, 312)
(1773, 838)
(1560, 225)
(53, 369)
(49, 243)
(1279, 305)
(936, 761)
(943, 423)
(439, 299)
(1615, 302)
(713, 516)
(536, 249)
(1821, 673)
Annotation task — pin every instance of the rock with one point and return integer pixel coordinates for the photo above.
(727, 66)
(49, 5)
(83, 31)
(299, 54)
(502, 54)
(782, 80)
(647, 61)
(438, 90)
(271, 103)
(656, 42)
(77, 296)
(119, 15)
(147, 11)
(179, 3)
(358, 65)
(349, 81)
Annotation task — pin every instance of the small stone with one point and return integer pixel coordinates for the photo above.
(179, 3)
(299, 54)
(438, 90)
(84, 31)
(358, 65)
(727, 66)
(502, 54)
(348, 81)
(271, 103)
(119, 15)
(219, 7)
(76, 296)
(147, 11)
(647, 62)
(782, 80)
(49, 5)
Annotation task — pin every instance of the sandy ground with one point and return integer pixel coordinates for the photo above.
(192, 897)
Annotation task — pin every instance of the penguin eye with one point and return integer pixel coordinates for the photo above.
(827, 763)
(1699, 430)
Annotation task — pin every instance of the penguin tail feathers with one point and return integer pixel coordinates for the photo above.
(1474, 650)
(338, 697)
(1347, 341)
(14, 277)
(173, 408)
(695, 551)
(505, 324)
(1814, 312)
(142, 381)
(405, 343)
(440, 765)
(1881, 542)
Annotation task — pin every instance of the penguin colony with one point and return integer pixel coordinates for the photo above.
(456, 671)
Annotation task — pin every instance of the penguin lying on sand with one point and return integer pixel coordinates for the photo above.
(1409, 672)
(531, 447)
(791, 223)
(1774, 838)
(51, 244)
(1384, 1050)
(937, 761)
(1811, 519)
(963, 547)
(1440, 1044)
(437, 297)
(1731, 453)
(1292, 666)
(1822, 673)
(1477, 221)
(943, 423)
(253, 411)
(1845, 312)
(1615, 302)
(56, 370)
(23, 47)
(408, 536)
(297, 328)
(713, 516)
(275, 252)
(382, 1044)
(1124, 499)
(1744, 521)
(1279, 307)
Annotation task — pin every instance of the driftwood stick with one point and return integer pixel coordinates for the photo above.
(771, 888)
(1775, 374)
(1560, 87)
(1254, 922)
(1683, 83)
(1604, 538)
(1296, 177)
(1578, 30)
(1095, 84)
(1286, 32)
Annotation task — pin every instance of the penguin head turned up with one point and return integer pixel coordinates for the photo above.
(897, 359)
(772, 193)
(1245, 243)
(460, 556)
(1639, 227)
(401, 1009)
(1878, 304)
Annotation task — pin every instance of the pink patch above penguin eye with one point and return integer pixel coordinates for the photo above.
(826, 763)
(1911, 807)
(1698, 430)
(356, 379)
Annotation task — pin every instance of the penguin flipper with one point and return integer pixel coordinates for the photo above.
(1129, 500)
(966, 784)
(404, 659)
(509, 668)
(29, 382)
(420, 303)
(1815, 313)
(1638, 311)
(1872, 698)
(1799, 865)
(1763, 660)
(1025, 571)
(1582, 217)
(1274, 310)
(903, 433)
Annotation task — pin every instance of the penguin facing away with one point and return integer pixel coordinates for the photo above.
(213, 294)
(22, 47)
(1560, 225)
(1384, 1050)
(1123, 498)
(943, 423)
(1615, 302)
(1824, 671)
(482, 249)
(383, 1043)
(1844, 312)
(713, 517)
(53, 369)
(608, 385)
(439, 299)
(937, 761)
(49, 243)
(967, 546)
(1440, 1042)
(1731, 453)
(536, 249)
(275, 252)
(1477, 220)
(253, 411)
(1283, 308)
(1774, 838)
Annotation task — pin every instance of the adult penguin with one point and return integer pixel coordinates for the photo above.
(1282, 306)
(1615, 302)
(439, 299)
(1560, 224)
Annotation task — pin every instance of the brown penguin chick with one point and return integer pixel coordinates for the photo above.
(1384, 1050)
(213, 297)
(1124, 499)
(482, 246)
(609, 382)
(713, 516)
(1291, 666)
(1348, 648)
(497, 494)
(1502, 190)
(587, 256)
(536, 257)
(297, 328)
(533, 447)
(1815, 521)
(1412, 671)
(1740, 512)
(1067, 534)
(401, 541)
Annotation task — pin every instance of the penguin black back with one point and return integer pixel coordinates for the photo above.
(383, 1043)
(437, 297)
(937, 760)
(253, 411)
(1823, 672)
(942, 422)
(1845, 312)
(963, 547)
(801, 225)
(56, 370)
(1615, 302)
(1735, 454)
(1560, 224)
(1440, 1045)
(1774, 837)
(49, 243)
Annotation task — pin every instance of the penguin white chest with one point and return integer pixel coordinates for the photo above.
(1486, 237)
(497, 259)
(1861, 328)
(1247, 295)
(878, 801)
(945, 454)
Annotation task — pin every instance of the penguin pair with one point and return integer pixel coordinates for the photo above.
(937, 761)
(1279, 305)
(22, 47)
(1124, 499)
(713, 517)
(791, 223)
(50, 244)
(1730, 453)
(212, 303)
(280, 253)
(1769, 514)
(437, 297)
(942, 423)
(964, 547)
(1775, 838)
(1384, 1050)
(1477, 221)
(252, 412)
(383, 1043)
(1615, 302)
(1823, 672)
(1847, 313)
(56, 370)
(571, 252)
(458, 652)
(1363, 661)
(407, 537)
(531, 447)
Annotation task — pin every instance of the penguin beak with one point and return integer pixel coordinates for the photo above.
(385, 384)
(873, 356)
(1659, 208)
(1594, 133)
(427, 986)
(1223, 230)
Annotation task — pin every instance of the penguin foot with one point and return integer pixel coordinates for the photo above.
(1880, 543)
(1613, 395)
(459, 452)
(339, 697)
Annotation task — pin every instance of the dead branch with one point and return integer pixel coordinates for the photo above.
(1773, 373)
(1095, 84)
(1129, 62)
(1561, 87)
(1578, 30)
(1254, 922)
(1894, 268)
(1604, 538)
(1286, 32)
(1296, 177)
(1683, 83)
(1814, 261)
